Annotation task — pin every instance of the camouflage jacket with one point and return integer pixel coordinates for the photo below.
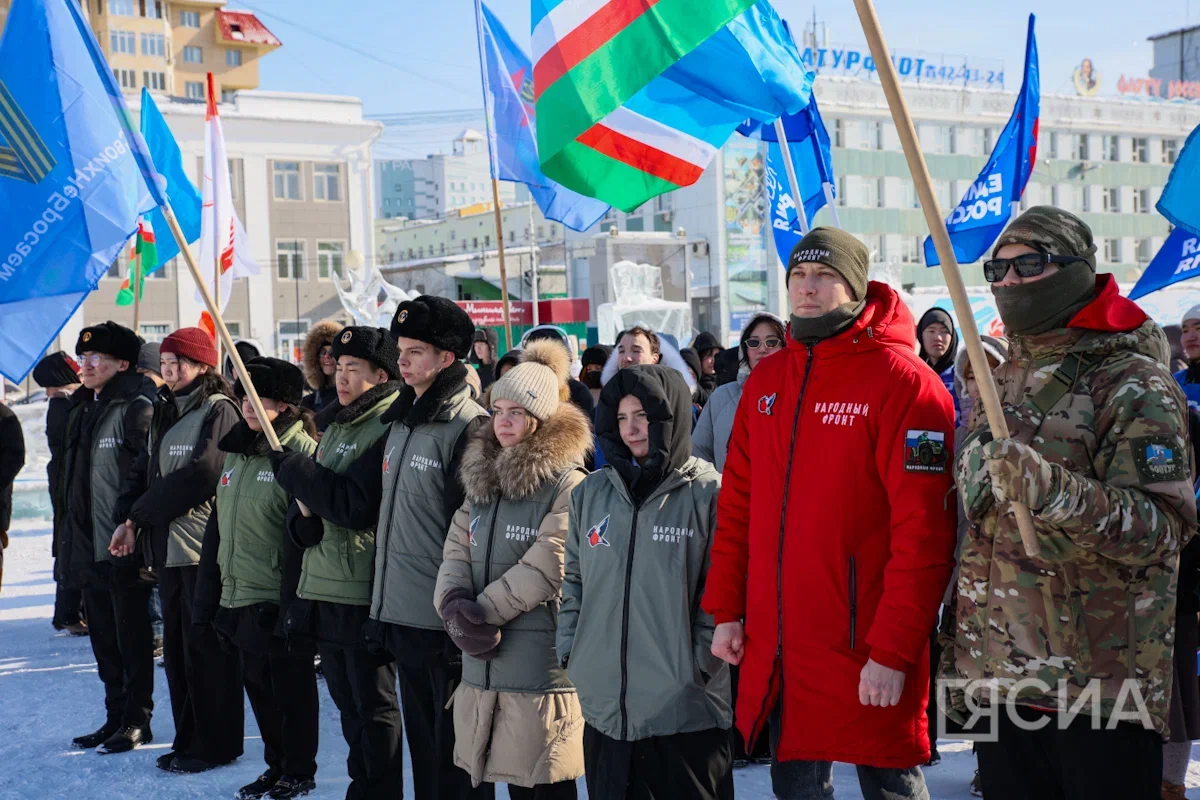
(1098, 603)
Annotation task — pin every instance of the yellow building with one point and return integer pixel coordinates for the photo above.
(168, 46)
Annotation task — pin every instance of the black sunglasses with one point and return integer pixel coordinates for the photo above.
(755, 343)
(1027, 265)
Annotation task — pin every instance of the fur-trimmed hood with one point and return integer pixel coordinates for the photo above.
(670, 358)
(558, 444)
(318, 336)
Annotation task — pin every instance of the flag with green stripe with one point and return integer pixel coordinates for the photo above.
(143, 259)
(634, 97)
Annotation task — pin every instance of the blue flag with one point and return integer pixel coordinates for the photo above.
(185, 199)
(1179, 201)
(988, 204)
(74, 175)
(512, 132)
(1177, 260)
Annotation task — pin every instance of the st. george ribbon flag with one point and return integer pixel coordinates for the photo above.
(183, 194)
(1177, 260)
(512, 128)
(988, 204)
(74, 175)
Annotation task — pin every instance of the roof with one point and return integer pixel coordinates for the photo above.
(243, 27)
(1175, 32)
(469, 135)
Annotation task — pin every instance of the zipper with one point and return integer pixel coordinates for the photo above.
(383, 532)
(853, 601)
(487, 579)
(625, 627)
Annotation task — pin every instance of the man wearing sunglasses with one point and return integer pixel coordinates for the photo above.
(1098, 451)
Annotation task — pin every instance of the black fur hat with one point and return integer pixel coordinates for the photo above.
(375, 345)
(436, 321)
(273, 379)
(110, 339)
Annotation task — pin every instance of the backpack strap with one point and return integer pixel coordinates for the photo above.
(1035, 409)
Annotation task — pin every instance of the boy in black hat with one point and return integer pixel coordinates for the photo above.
(407, 487)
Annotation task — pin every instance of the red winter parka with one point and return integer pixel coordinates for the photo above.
(835, 537)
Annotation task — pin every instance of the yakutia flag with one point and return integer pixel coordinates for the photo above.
(221, 233)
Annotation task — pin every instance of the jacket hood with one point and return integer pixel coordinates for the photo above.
(885, 321)
(1109, 311)
(670, 358)
(667, 400)
(928, 318)
(995, 348)
(319, 335)
(489, 470)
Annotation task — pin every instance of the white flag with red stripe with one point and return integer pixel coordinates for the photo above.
(221, 233)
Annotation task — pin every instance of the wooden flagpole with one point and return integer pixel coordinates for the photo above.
(137, 286)
(222, 331)
(503, 271)
(941, 242)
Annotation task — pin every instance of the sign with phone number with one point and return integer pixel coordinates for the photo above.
(912, 66)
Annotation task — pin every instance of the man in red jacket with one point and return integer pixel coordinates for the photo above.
(833, 545)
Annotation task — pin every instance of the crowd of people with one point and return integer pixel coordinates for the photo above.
(640, 568)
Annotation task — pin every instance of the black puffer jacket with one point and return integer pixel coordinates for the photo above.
(12, 458)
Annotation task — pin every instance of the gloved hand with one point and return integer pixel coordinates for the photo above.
(971, 474)
(1018, 473)
(465, 621)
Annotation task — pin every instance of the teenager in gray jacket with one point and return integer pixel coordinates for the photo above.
(654, 698)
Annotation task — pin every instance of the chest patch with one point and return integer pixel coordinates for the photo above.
(595, 534)
(471, 531)
(925, 451)
(387, 461)
(766, 403)
(226, 478)
(1159, 458)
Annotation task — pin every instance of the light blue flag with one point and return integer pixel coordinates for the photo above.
(74, 175)
(1177, 260)
(168, 161)
(1180, 202)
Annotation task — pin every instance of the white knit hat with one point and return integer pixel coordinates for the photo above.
(537, 384)
(1192, 313)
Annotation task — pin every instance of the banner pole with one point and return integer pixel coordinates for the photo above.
(222, 332)
(831, 203)
(941, 242)
(797, 200)
(137, 287)
(503, 271)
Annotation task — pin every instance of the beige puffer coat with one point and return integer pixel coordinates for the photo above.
(531, 736)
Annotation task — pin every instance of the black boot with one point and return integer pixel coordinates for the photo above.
(265, 783)
(163, 762)
(96, 738)
(192, 765)
(289, 786)
(126, 739)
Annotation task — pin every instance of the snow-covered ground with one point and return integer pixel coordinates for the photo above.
(50, 693)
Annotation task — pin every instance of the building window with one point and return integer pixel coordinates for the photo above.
(1143, 251)
(122, 42)
(1087, 200)
(1052, 145)
(1112, 148)
(841, 190)
(870, 134)
(114, 269)
(120, 8)
(289, 258)
(162, 273)
(1140, 149)
(329, 259)
(126, 77)
(1170, 150)
(454, 235)
(154, 44)
(233, 58)
(910, 250)
(326, 182)
(1112, 251)
(880, 193)
(228, 95)
(989, 140)
(1079, 146)
(193, 55)
(152, 9)
(194, 90)
(1112, 200)
(189, 19)
(287, 180)
(839, 133)
(154, 332)
(155, 81)
(234, 328)
(1141, 201)
(292, 334)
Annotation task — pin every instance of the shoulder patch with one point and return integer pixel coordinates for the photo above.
(925, 451)
(1159, 458)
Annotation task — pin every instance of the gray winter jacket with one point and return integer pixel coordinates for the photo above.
(710, 439)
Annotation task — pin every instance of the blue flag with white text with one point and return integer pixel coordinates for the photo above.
(168, 161)
(1180, 202)
(512, 135)
(1177, 260)
(985, 209)
(74, 175)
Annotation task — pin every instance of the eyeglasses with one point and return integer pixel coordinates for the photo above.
(326, 352)
(94, 360)
(1027, 265)
(770, 341)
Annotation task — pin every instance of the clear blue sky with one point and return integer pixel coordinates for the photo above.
(434, 64)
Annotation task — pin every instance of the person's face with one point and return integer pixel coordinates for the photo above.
(936, 339)
(271, 407)
(1011, 278)
(634, 426)
(510, 422)
(99, 369)
(708, 362)
(420, 362)
(634, 348)
(768, 341)
(591, 370)
(328, 362)
(178, 373)
(482, 351)
(1189, 340)
(354, 377)
(815, 289)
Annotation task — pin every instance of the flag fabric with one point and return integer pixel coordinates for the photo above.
(985, 209)
(512, 138)
(1179, 201)
(143, 259)
(1177, 260)
(221, 233)
(635, 98)
(168, 161)
(74, 175)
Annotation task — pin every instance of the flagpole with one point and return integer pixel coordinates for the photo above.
(503, 271)
(941, 242)
(137, 286)
(222, 331)
(827, 187)
(533, 255)
(797, 199)
(216, 218)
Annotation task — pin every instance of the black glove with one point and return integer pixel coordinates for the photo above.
(465, 623)
(279, 458)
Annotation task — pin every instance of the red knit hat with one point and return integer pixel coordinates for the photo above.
(193, 343)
